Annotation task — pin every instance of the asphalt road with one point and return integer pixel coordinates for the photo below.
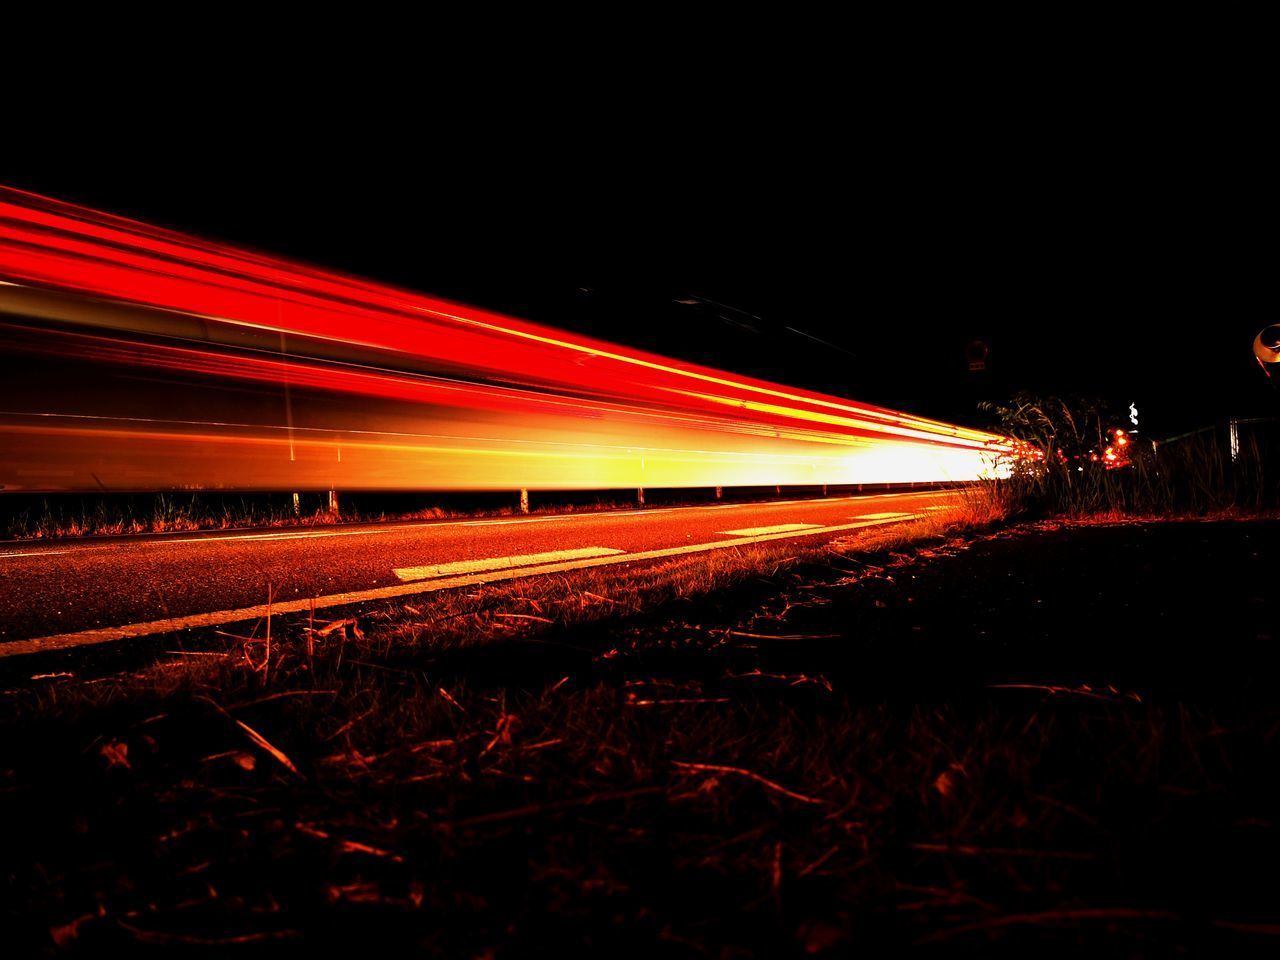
(60, 594)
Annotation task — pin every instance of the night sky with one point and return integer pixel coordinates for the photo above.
(1121, 258)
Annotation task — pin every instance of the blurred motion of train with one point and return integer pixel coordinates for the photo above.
(138, 359)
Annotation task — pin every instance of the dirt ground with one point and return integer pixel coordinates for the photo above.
(1047, 739)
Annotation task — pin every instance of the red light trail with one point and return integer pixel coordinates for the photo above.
(137, 358)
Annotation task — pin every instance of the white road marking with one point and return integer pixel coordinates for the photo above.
(500, 563)
(776, 528)
(881, 516)
(65, 641)
(398, 527)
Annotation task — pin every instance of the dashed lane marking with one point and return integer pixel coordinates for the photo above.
(776, 528)
(501, 563)
(82, 638)
(402, 527)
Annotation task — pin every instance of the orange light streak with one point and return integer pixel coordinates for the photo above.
(138, 349)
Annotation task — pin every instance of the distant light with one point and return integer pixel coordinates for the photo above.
(1133, 414)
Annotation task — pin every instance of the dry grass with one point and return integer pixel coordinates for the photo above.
(1192, 475)
(669, 758)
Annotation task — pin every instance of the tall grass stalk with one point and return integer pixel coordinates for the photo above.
(1197, 474)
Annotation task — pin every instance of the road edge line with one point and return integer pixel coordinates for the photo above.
(195, 621)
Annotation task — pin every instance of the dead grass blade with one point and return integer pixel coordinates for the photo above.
(831, 852)
(1110, 693)
(348, 846)
(784, 636)
(196, 653)
(448, 698)
(350, 723)
(282, 695)
(266, 745)
(333, 626)
(501, 734)
(174, 939)
(258, 739)
(751, 775)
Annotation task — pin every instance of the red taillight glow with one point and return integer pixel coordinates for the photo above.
(384, 388)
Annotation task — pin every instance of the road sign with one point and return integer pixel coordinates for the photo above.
(976, 354)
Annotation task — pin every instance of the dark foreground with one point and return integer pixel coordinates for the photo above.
(1047, 741)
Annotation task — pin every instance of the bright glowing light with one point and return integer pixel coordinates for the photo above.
(140, 358)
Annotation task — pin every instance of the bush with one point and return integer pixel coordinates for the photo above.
(1061, 466)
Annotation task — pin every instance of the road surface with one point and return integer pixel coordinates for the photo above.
(69, 593)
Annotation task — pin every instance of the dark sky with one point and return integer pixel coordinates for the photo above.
(1127, 252)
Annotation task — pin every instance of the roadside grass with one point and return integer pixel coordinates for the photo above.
(519, 691)
(787, 751)
(1068, 474)
(1190, 477)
